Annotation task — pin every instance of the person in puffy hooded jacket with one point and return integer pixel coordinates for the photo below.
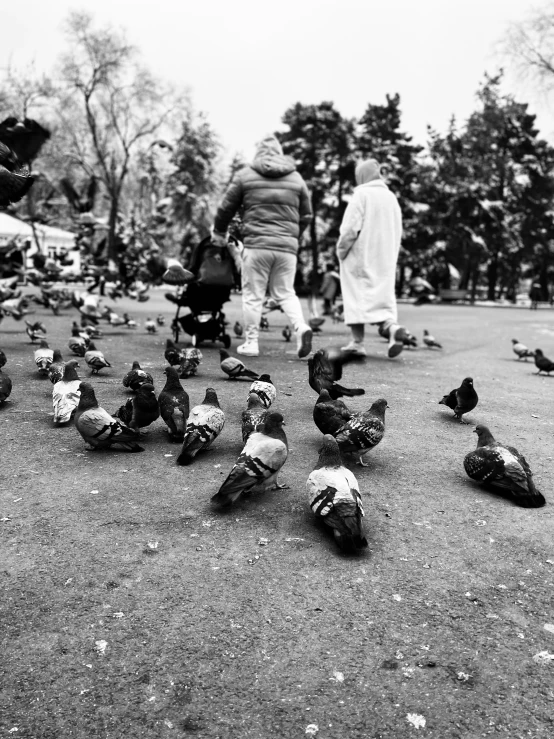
(276, 208)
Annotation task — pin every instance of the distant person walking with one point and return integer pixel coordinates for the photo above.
(275, 210)
(367, 249)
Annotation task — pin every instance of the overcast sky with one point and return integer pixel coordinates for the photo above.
(246, 61)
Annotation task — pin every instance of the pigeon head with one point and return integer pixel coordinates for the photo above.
(515, 341)
(136, 365)
(92, 348)
(43, 344)
(75, 331)
(379, 407)
(211, 398)
(146, 389)
(425, 332)
(468, 381)
(171, 373)
(57, 356)
(169, 344)
(264, 378)
(223, 354)
(254, 401)
(324, 397)
(273, 422)
(484, 435)
(70, 370)
(329, 453)
(88, 397)
(538, 352)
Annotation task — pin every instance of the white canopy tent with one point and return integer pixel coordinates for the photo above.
(53, 241)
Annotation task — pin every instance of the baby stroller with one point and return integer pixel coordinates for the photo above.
(215, 275)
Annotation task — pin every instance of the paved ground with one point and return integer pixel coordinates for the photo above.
(251, 624)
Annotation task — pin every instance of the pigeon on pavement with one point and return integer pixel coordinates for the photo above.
(462, 400)
(98, 428)
(172, 354)
(95, 359)
(287, 333)
(543, 363)
(190, 360)
(140, 410)
(233, 367)
(66, 393)
(521, 350)
(174, 405)
(430, 341)
(204, 425)
(254, 414)
(238, 329)
(325, 368)
(3, 359)
(264, 389)
(136, 377)
(330, 415)
(35, 331)
(150, 326)
(264, 324)
(77, 344)
(55, 371)
(502, 468)
(43, 358)
(363, 431)
(5, 387)
(334, 496)
(258, 465)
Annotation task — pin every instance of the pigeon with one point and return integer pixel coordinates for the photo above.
(95, 359)
(287, 333)
(174, 405)
(129, 322)
(254, 414)
(462, 400)
(334, 496)
(325, 367)
(77, 344)
(88, 330)
(136, 377)
(55, 371)
(172, 354)
(5, 387)
(363, 431)
(233, 367)
(98, 428)
(238, 329)
(66, 393)
(141, 410)
(543, 363)
(264, 324)
(35, 331)
(402, 334)
(15, 179)
(264, 389)
(330, 415)
(258, 465)
(43, 358)
(430, 341)
(150, 326)
(190, 359)
(160, 320)
(3, 359)
(204, 425)
(521, 350)
(502, 468)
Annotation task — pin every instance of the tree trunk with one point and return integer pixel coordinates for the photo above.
(314, 277)
(492, 277)
(112, 229)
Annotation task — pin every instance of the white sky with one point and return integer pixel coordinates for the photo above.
(246, 61)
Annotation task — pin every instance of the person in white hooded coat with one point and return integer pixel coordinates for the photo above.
(367, 249)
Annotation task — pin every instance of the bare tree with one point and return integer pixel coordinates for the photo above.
(529, 46)
(110, 107)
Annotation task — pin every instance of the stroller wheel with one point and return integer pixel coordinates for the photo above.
(226, 339)
(194, 340)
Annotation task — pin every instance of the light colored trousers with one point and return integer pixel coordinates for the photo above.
(262, 268)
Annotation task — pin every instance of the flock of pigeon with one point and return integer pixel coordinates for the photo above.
(333, 490)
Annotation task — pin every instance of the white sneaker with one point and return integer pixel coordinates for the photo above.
(304, 341)
(249, 349)
(355, 347)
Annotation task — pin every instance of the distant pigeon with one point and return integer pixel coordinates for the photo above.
(330, 415)
(77, 344)
(174, 405)
(363, 431)
(5, 387)
(150, 326)
(264, 324)
(521, 350)
(160, 319)
(191, 357)
(254, 414)
(502, 468)
(233, 367)
(264, 389)
(3, 359)
(204, 425)
(66, 393)
(95, 359)
(462, 400)
(98, 428)
(35, 331)
(430, 341)
(543, 363)
(43, 358)
(238, 329)
(325, 368)
(136, 377)
(172, 354)
(286, 333)
(258, 465)
(141, 410)
(334, 496)
(129, 322)
(55, 371)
